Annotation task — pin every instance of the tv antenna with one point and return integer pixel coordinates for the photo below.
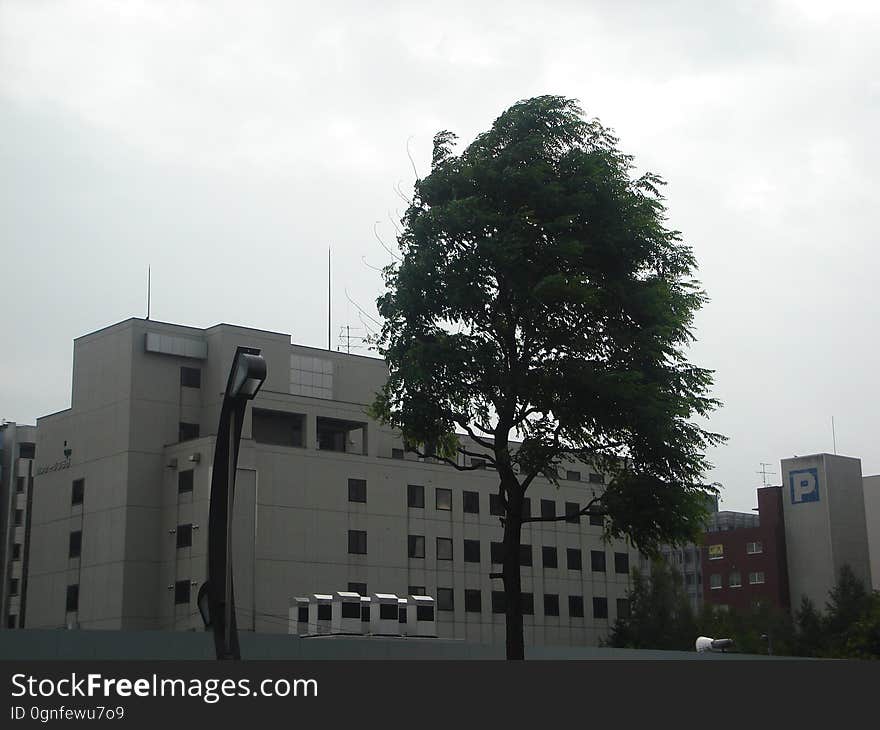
(764, 473)
(353, 337)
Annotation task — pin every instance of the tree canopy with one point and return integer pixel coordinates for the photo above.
(540, 299)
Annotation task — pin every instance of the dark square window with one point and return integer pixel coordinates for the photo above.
(359, 588)
(597, 478)
(576, 606)
(78, 491)
(397, 454)
(498, 602)
(424, 613)
(621, 563)
(401, 613)
(445, 599)
(527, 604)
(573, 476)
(72, 602)
(527, 507)
(473, 600)
(443, 499)
(357, 490)
(13, 586)
(479, 463)
(415, 496)
(444, 548)
(16, 551)
(181, 591)
(574, 559)
(185, 481)
(496, 550)
(19, 485)
(622, 608)
(597, 520)
(417, 546)
(525, 555)
(416, 591)
(470, 502)
(302, 614)
(548, 556)
(551, 604)
(472, 551)
(10, 621)
(548, 508)
(75, 546)
(185, 535)
(325, 611)
(351, 609)
(600, 607)
(19, 517)
(188, 431)
(357, 542)
(597, 561)
(190, 377)
(496, 506)
(26, 450)
(572, 510)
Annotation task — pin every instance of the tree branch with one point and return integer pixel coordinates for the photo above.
(559, 518)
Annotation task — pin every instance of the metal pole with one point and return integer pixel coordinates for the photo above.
(230, 483)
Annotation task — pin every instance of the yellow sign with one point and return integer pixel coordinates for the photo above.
(716, 552)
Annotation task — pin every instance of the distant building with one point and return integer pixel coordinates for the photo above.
(825, 527)
(744, 558)
(871, 487)
(17, 452)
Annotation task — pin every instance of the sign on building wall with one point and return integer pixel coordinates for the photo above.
(716, 552)
(804, 485)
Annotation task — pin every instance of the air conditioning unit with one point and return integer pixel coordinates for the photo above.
(195, 458)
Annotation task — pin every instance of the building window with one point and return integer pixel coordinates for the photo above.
(185, 535)
(574, 559)
(336, 434)
(527, 603)
(72, 600)
(443, 499)
(498, 602)
(359, 588)
(19, 517)
(597, 478)
(417, 546)
(397, 454)
(415, 496)
(75, 546)
(445, 599)
(597, 520)
(190, 377)
(597, 561)
(302, 614)
(735, 580)
(13, 586)
(424, 613)
(551, 604)
(478, 463)
(278, 428)
(351, 609)
(470, 502)
(187, 431)
(325, 612)
(417, 591)
(526, 507)
(573, 476)
(181, 592)
(472, 551)
(623, 608)
(576, 606)
(496, 506)
(16, 551)
(311, 376)
(572, 512)
(548, 557)
(716, 552)
(715, 581)
(525, 555)
(548, 509)
(444, 548)
(753, 548)
(78, 491)
(621, 563)
(600, 607)
(185, 481)
(496, 552)
(11, 620)
(756, 578)
(473, 600)
(357, 542)
(19, 485)
(26, 450)
(357, 490)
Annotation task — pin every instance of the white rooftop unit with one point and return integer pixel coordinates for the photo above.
(421, 616)
(320, 613)
(346, 613)
(384, 614)
(298, 615)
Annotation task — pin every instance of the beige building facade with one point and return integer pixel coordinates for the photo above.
(326, 500)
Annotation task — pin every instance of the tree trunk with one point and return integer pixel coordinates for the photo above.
(511, 572)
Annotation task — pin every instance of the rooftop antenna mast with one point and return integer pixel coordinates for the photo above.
(764, 473)
(328, 298)
(148, 292)
(833, 435)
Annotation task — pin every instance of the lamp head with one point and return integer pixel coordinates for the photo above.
(248, 375)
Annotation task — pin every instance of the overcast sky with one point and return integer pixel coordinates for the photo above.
(198, 137)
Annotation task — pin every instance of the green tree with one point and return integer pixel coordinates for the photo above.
(660, 615)
(848, 603)
(541, 299)
(810, 637)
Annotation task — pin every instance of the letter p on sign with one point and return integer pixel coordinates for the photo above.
(804, 485)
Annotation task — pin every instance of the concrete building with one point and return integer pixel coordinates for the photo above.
(17, 451)
(744, 560)
(326, 500)
(871, 488)
(825, 527)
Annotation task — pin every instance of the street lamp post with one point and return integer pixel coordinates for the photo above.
(216, 598)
